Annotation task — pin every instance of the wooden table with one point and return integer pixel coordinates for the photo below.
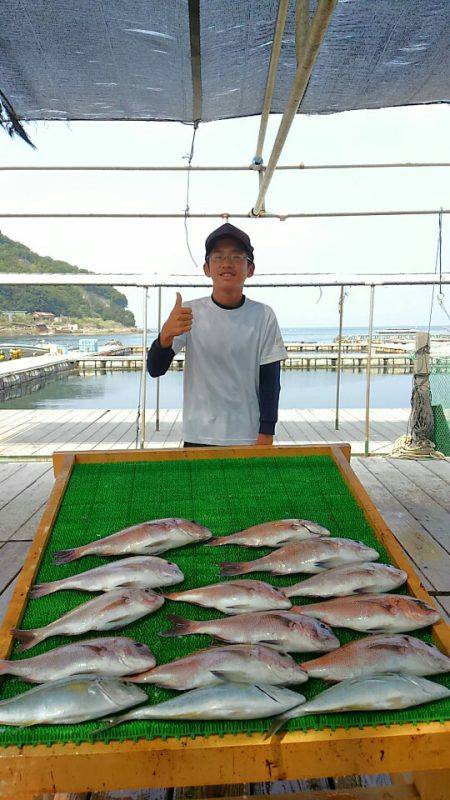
(421, 748)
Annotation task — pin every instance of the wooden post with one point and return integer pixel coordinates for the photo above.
(338, 370)
(157, 379)
(422, 424)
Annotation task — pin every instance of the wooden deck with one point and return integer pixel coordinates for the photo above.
(38, 433)
(413, 497)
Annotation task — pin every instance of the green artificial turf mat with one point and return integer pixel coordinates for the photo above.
(225, 495)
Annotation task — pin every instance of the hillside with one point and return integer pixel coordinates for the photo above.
(71, 301)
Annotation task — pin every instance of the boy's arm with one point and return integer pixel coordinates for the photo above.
(269, 393)
(161, 353)
(159, 359)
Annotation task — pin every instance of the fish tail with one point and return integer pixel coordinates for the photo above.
(27, 639)
(4, 667)
(280, 721)
(216, 541)
(41, 589)
(111, 722)
(235, 568)
(172, 595)
(142, 677)
(180, 626)
(64, 556)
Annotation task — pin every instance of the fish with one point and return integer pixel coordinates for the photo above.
(285, 631)
(371, 693)
(311, 555)
(358, 578)
(112, 656)
(376, 613)
(240, 663)
(379, 654)
(147, 538)
(107, 612)
(273, 534)
(70, 700)
(142, 572)
(235, 597)
(226, 701)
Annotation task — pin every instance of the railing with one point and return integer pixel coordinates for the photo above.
(158, 282)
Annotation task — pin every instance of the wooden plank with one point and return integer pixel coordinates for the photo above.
(74, 429)
(430, 515)
(37, 425)
(429, 482)
(26, 530)
(30, 500)
(429, 558)
(12, 557)
(17, 483)
(440, 467)
(444, 603)
(9, 468)
(5, 598)
(127, 794)
(17, 605)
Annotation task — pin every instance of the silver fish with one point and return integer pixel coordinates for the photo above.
(142, 572)
(273, 534)
(69, 701)
(311, 555)
(242, 663)
(358, 578)
(379, 654)
(235, 597)
(226, 701)
(376, 613)
(372, 693)
(285, 631)
(112, 656)
(107, 612)
(147, 538)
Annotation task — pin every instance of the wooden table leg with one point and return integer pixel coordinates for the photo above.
(433, 785)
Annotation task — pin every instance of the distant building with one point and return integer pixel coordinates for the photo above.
(43, 316)
(41, 328)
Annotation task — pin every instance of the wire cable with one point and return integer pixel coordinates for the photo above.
(188, 189)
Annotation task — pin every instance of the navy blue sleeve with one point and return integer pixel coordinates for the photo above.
(269, 393)
(159, 359)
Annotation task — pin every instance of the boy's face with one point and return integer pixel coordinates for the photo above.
(228, 265)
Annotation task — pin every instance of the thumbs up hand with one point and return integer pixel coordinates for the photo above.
(179, 321)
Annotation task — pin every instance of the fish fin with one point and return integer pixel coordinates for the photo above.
(64, 556)
(229, 677)
(376, 630)
(363, 590)
(264, 691)
(40, 590)
(326, 563)
(272, 643)
(237, 609)
(234, 568)
(27, 638)
(180, 626)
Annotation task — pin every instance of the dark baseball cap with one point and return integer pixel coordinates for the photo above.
(229, 231)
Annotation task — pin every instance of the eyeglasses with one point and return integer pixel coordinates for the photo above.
(237, 258)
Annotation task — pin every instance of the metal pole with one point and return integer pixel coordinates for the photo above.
(301, 28)
(224, 215)
(270, 85)
(144, 371)
(369, 359)
(316, 33)
(157, 379)
(338, 375)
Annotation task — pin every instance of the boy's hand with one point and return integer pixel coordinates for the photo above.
(179, 321)
(264, 439)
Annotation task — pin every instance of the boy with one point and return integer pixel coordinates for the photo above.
(233, 351)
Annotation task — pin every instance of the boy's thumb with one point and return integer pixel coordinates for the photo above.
(178, 301)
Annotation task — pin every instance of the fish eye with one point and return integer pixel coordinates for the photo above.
(139, 644)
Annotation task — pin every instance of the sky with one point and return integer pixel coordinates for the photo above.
(361, 245)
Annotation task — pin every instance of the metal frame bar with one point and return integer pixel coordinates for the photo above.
(157, 379)
(181, 281)
(143, 398)
(368, 375)
(338, 369)
(283, 6)
(316, 33)
(196, 67)
(220, 214)
(247, 168)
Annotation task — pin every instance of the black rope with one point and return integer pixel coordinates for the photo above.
(10, 121)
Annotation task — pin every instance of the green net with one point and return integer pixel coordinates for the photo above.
(226, 495)
(440, 394)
